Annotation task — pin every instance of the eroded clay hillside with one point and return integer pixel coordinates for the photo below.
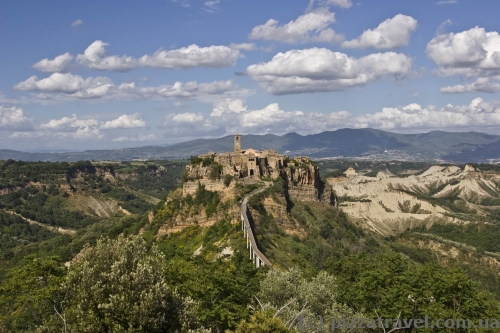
(390, 204)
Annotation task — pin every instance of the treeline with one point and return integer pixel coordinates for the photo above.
(18, 173)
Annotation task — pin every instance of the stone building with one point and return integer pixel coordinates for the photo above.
(250, 162)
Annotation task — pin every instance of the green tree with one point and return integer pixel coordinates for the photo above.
(119, 286)
(261, 322)
(207, 161)
(292, 297)
(227, 180)
(224, 288)
(390, 285)
(29, 293)
(215, 170)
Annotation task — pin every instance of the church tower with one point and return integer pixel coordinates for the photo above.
(237, 144)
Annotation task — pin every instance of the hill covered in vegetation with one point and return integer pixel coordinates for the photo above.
(119, 247)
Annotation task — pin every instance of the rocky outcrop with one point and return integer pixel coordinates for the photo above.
(76, 176)
(75, 172)
(190, 187)
(304, 183)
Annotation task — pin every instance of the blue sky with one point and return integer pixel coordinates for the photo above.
(108, 74)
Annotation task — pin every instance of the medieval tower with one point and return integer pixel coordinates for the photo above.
(237, 144)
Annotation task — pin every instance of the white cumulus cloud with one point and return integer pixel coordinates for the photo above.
(71, 128)
(187, 118)
(60, 87)
(477, 114)
(84, 133)
(192, 56)
(68, 124)
(82, 128)
(58, 64)
(191, 89)
(268, 116)
(319, 69)
(186, 124)
(95, 57)
(228, 106)
(473, 53)
(215, 56)
(392, 33)
(310, 27)
(482, 84)
(135, 120)
(64, 83)
(14, 119)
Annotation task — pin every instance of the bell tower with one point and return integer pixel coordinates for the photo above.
(237, 144)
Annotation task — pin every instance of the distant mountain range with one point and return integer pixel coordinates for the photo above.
(346, 143)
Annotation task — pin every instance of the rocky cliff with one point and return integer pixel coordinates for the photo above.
(78, 171)
(305, 184)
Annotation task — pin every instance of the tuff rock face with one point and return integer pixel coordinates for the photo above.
(305, 184)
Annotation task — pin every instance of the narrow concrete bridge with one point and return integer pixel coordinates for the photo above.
(257, 257)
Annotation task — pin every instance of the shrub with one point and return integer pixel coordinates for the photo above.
(227, 180)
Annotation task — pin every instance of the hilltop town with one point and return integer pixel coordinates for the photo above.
(300, 174)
